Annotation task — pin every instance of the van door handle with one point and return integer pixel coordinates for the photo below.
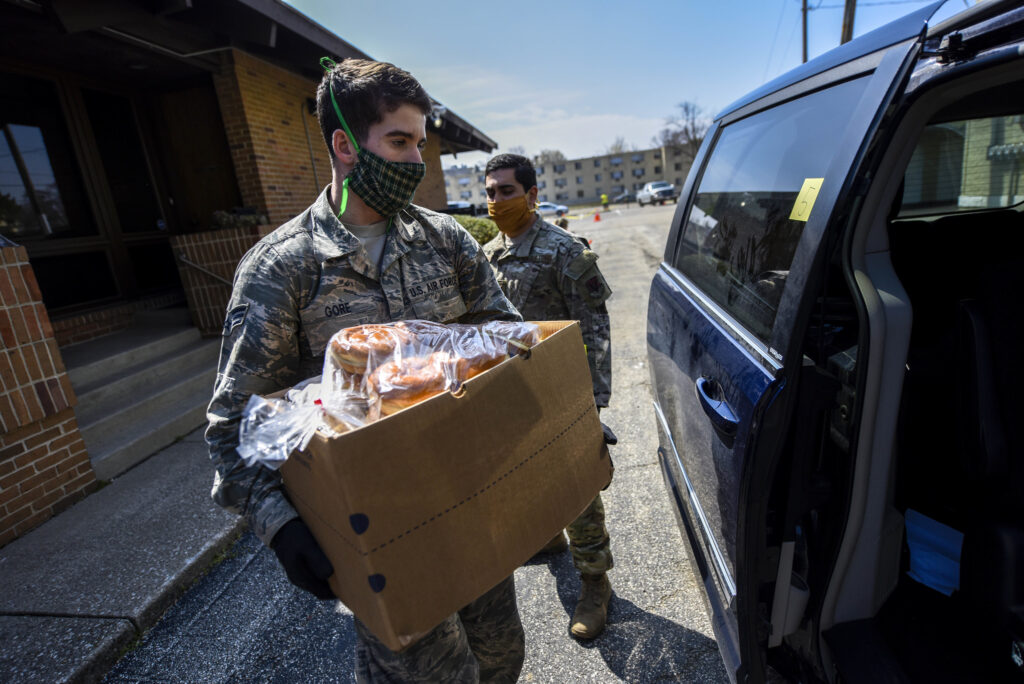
(712, 400)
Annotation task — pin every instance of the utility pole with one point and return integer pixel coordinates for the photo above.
(803, 10)
(848, 11)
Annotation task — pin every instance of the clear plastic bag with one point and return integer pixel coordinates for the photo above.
(371, 371)
(396, 365)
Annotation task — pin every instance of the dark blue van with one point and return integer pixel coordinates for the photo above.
(835, 338)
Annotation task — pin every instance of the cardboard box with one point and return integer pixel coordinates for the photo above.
(422, 512)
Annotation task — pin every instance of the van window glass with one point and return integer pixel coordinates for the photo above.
(965, 165)
(745, 224)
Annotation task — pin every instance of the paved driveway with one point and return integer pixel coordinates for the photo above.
(244, 622)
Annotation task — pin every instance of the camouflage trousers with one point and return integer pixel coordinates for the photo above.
(483, 642)
(589, 541)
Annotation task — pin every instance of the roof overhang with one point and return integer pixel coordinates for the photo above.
(146, 42)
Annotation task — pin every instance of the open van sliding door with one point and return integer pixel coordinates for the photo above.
(727, 312)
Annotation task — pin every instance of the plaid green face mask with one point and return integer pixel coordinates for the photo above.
(385, 186)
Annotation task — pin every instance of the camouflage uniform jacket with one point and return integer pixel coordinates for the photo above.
(302, 283)
(553, 275)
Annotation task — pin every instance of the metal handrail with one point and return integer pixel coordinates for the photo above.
(202, 269)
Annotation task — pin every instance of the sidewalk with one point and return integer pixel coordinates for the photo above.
(84, 585)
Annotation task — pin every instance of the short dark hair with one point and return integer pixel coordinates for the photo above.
(365, 90)
(525, 174)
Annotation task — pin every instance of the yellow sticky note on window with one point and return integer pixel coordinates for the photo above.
(805, 200)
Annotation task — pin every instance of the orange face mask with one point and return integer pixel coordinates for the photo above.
(510, 214)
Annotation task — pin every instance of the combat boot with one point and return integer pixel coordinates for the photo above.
(592, 610)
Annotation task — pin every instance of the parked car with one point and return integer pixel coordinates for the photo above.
(624, 198)
(834, 346)
(657, 192)
(461, 207)
(552, 209)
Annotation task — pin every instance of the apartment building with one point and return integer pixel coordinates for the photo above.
(583, 180)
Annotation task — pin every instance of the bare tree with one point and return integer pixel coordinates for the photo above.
(619, 146)
(517, 149)
(684, 130)
(550, 156)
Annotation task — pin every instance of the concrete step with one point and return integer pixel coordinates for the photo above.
(123, 439)
(113, 393)
(89, 363)
(142, 388)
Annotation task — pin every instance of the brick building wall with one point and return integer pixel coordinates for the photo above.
(219, 252)
(431, 193)
(266, 120)
(44, 466)
(263, 107)
(90, 325)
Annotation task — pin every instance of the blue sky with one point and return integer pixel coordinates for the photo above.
(575, 75)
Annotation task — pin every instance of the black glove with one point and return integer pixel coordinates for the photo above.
(302, 559)
(609, 436)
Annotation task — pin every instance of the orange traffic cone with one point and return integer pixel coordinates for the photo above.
(597, 216)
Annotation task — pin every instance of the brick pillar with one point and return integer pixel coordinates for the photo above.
(44, 466)
(219, 252)
(431, 193)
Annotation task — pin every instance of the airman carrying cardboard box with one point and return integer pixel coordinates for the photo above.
(427, 509)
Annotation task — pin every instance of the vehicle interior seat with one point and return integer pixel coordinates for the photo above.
(961, 460)
(992, 560)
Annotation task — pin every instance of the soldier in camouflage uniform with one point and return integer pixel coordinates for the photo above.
(550, 274)
(359, 254)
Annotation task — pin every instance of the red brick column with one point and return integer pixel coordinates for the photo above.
(219, 252)
(44, 466)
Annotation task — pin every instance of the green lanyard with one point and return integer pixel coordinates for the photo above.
(328, 65)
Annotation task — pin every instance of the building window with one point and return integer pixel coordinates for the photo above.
(597, 177)
(121, 151)
(597, 163)
(679, 181)
(542, 184)
(679, 166)
(466, 194)
(558, 168)
(579, 194)
(579, 180)
(560, 182)
(618, 188)
(638, 172)
(480, 178)
(657, 170)
(562, 196)
(616, 161)
(637, 158)
(483, 193)
(540, 170)
(597, 191)
(42, 192)
(616, 175)
(463, 181)
(578, 165)
(542, 198)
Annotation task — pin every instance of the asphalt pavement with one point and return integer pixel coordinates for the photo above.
(107, 569)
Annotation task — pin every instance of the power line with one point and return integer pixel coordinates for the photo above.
(771, 53)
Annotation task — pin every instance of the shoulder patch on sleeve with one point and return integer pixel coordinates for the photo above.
(581, 264)
(235, 318)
